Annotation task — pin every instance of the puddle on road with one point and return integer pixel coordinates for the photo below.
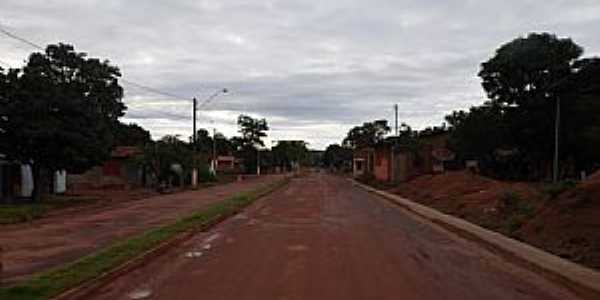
(141, 293)
(240, 217)
(193, 254)
(297, 248)
(211, 238)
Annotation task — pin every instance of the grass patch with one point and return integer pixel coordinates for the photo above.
(52, 283)
(516, 210)
(25, 212)
(552, 190)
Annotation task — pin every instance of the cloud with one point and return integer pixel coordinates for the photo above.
(314, 69)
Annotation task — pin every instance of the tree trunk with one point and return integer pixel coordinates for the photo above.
(37, 182)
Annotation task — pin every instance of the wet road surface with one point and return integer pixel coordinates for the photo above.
(323, 238)
(55, 240)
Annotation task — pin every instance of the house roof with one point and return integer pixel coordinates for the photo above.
(125, 151)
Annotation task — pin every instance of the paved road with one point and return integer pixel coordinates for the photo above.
(63, 238)
(322, 238)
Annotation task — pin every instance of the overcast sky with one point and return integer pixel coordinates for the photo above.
(314, 69)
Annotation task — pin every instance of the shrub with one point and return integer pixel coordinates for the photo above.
(555, 189)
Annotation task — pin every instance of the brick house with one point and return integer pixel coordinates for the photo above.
(362, 161)
(389, 161)
(117, 172)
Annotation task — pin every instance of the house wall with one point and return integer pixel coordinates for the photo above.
(366, 158)
(382, 165)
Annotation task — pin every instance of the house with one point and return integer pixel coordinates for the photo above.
(362, 161)
(119, 171)
(228, 163)
(391, 161)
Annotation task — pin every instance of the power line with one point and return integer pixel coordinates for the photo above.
(138, 85)
(153, 90)
(21, 39)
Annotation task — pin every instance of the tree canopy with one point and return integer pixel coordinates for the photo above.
(60, 110)
(252, 130)
(366, 135)
(524, 81)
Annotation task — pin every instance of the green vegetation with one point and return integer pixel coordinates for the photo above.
(54, 282)
(552, 190)
(525, 81)
(25, 212)
(59, 111)
(516, 209)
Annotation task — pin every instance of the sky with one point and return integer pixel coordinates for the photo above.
(313, 69)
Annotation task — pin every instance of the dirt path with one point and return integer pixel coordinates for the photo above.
(322, 238)
(62, 238)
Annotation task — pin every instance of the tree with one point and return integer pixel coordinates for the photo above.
(524, 81)
(204, 142)
(520, 79)
(366, 135)
(59, 111)
(287, 154)
(131, 135)
(337, 156)
(162, 156)
(252, 130)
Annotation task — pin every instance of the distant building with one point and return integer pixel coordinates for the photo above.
(120, 171)
(362, 161)
(389, 161)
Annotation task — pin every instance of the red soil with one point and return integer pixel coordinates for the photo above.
(568, 226)
(469, 196)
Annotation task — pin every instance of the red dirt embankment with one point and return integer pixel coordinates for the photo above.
(567, 224)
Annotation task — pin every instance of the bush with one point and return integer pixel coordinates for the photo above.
(205, 175)
(516, 210)
(555, 189)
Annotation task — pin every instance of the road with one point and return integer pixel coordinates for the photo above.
(64, 237)
(323, 238)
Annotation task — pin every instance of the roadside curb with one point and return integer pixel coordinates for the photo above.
(84, 289)
(583, 281)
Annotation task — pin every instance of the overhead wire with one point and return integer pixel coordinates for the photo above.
(130, 82)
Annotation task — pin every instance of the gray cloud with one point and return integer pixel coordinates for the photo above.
(312, 68)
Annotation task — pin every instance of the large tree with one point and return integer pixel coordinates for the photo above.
(252, 130)
(59, 111)
(287, 154)
(337, 157)
(525, 80)
(366, 135)
(131, 135)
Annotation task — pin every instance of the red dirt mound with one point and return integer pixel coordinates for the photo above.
(569, 225)
(469, 196)
(566, 224)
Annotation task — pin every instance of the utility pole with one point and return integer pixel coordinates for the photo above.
(194, 137)
(214, 151)
(258, 161)
(195, 146)
(556, 133)
(396, 114)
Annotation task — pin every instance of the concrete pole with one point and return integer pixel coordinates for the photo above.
(257, 161)
(214, 152)
(195, 168)
(556, 133)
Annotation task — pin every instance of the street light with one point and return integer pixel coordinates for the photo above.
(195, 109)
